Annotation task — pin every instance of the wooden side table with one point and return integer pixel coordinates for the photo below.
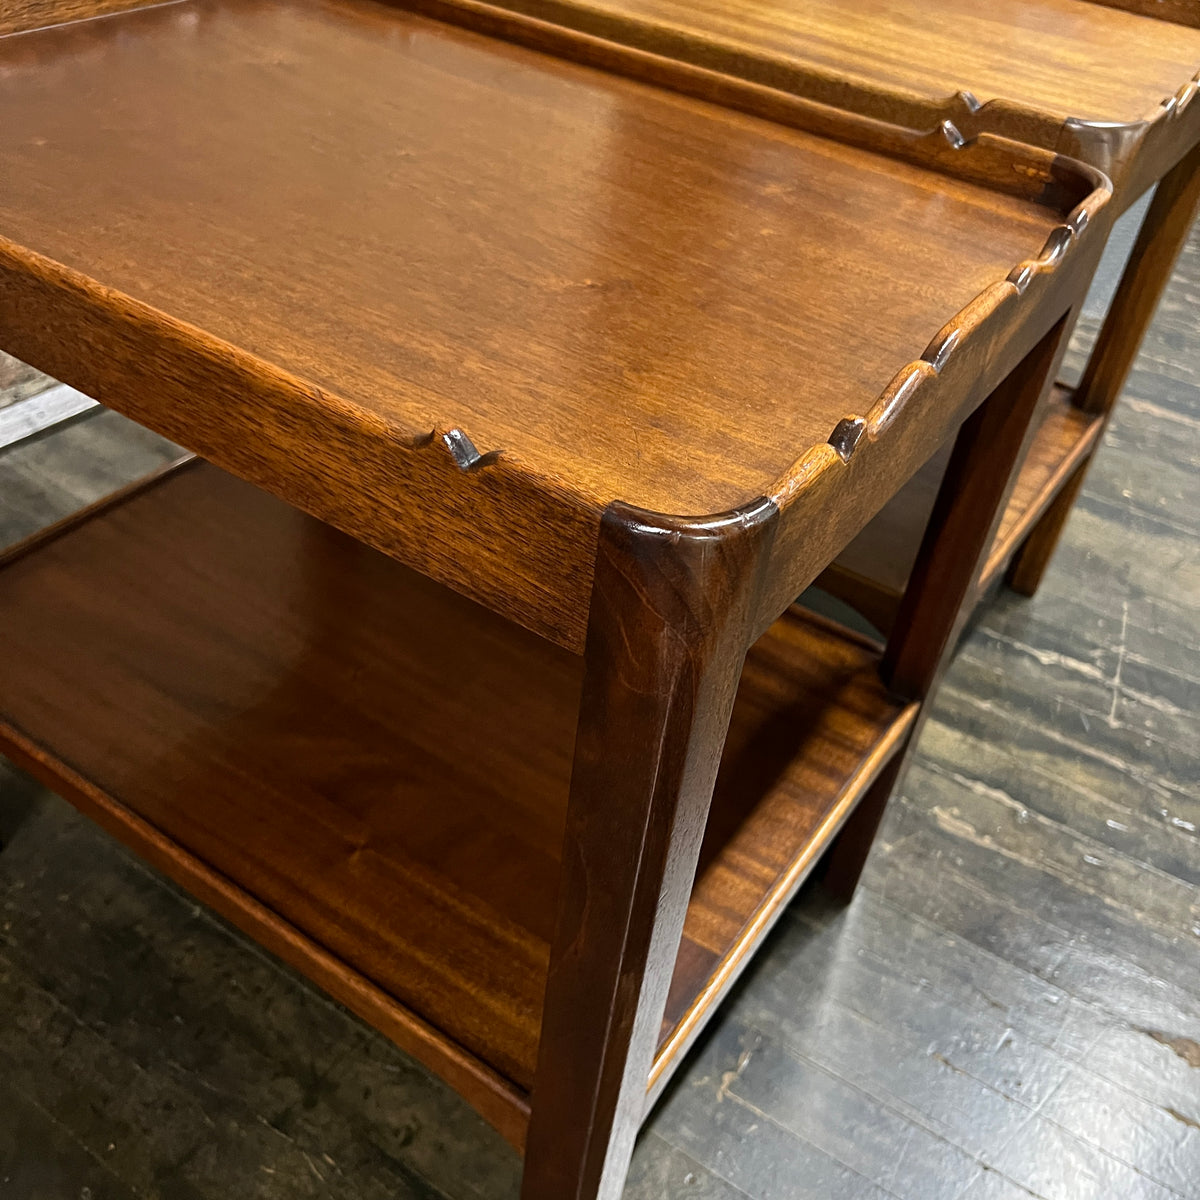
(1099, 80)
(464, 675)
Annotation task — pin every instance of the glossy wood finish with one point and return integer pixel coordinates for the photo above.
(310, 791)
(1164, 231)
(670, 592)
(980, 477)
(315, 369)
(1024, 572)
(1006, 1031)
(1095, 86)
(817, 677)
(364, 798)
(393, 865)
(671, 614)
(1065, 439)
(1181, 12)
(565, 301)
(831, 492)
(1108, 86)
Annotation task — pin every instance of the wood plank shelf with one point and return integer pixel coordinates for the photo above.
(369, 772)
(873, 571)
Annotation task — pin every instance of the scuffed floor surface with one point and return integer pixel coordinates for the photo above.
(18, 381)
(1009, 1009)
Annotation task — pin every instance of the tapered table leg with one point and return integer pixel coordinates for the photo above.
(1164, 230)
(668, 631)
(987, 456)
(1029, 564)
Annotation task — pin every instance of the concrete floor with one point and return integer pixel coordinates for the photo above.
(1010, 1008)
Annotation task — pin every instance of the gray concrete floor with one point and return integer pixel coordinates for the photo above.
(1010, 1008)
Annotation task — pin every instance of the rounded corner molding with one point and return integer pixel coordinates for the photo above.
(852, 432)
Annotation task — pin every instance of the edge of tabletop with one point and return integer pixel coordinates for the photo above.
(29, 16)
(829, 491)
(769, 84)
(518, 541)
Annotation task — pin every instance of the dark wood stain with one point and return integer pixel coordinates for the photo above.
(874, 570)
(236, 729)
(1182, 12)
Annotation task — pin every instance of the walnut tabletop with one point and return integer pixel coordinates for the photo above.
(445, 292)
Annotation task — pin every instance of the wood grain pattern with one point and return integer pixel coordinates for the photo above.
(131, 1020)
(1164, 231)
(1026, 568)
(1162, 235)
(754, 859)
(502, 1104)
(891, 62)
(869, 457)
(979, 479)
(625, 309)
(671, 607)
(641, 292)
(88, 512)
(1105, 72)
(1066, 438)
(22, 15)
(237, 709)
(929, 134)
(266, 722)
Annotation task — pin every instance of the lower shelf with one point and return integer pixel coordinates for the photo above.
(873, 571)
(369, 773)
